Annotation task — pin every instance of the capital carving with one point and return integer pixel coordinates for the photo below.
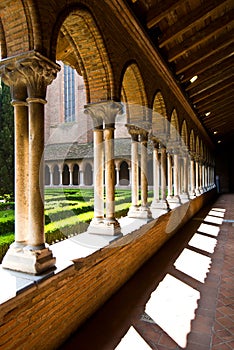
(32, 71)
(143, 135)
(104, 111)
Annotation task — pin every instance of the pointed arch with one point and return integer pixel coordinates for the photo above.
(80, 45)
(3, 49)
(184, 134)
(133, 94)
(197, 146)
(174, 127)
(192, 142)
(159, 117)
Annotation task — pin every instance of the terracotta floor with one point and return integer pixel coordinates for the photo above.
(182, 298)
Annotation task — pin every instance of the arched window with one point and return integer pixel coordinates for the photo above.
(69, 94)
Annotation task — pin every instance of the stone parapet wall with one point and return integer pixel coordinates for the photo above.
(44, 316)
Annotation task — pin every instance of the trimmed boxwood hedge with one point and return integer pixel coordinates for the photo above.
(67, 212)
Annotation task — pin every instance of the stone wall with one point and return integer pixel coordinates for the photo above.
(45, 315)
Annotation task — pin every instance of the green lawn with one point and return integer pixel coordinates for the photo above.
(67, 212)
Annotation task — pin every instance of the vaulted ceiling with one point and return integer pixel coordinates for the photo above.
(195, 38)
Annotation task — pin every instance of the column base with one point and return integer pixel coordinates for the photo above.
(197, 191)
(184, 197)
(139, 212)
(174, 202)
(161, 204)
(104, 227)
(159, 207)
(192, 195)
(29, 261)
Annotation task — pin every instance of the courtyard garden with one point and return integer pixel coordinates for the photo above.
(68, 212)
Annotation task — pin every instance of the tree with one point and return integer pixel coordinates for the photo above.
(6, 142)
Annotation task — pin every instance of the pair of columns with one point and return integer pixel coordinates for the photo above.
(139, 136)
(28, 77)
(103, 115)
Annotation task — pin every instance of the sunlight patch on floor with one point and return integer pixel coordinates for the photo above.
(218, 213)
(213, 220)
(193, 264)
(132, 340)
(172, 306)
(209, 229)
(202, 242)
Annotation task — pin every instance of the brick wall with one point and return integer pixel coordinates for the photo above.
(43, 316)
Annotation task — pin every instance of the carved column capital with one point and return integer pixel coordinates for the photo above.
(31, 70)
(104, 111)
(143, 135)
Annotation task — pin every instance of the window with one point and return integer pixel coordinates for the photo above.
(69, 94)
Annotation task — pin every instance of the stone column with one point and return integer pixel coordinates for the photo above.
(144, 209)
(164, 203)
(185, 195)
(97, 224)
(106, 112)
(98, 171)
(117, 169)
(81, 171)
(37, 72)
(174, 201)
(60, 174)
(192, 178)
(200, 177)
(169, 176)
(134, 132)
(197, 189)
(155, 175)
(36, 239)
(51, 174)
(109, 173)
(70, 175)
(19, 94)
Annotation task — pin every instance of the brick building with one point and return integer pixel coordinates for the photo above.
(137, 60)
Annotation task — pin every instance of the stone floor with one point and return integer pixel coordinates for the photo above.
(182, 298)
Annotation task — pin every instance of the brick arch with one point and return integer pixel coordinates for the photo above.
(174, 126)
(19, 20)
(198, 146)
(3, 53)
(192, 142)
(82, 46)
(133, 94)
(184, 133)
(159, 116)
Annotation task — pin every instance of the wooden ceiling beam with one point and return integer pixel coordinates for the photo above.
(205, 76)
(212, 82)
(190, 20)
(208, 57)
(202, 36)
(227, 107)
(213, 91)
(222, 99)
(160, 11)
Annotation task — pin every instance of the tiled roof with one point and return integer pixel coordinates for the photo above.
(75, 150)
